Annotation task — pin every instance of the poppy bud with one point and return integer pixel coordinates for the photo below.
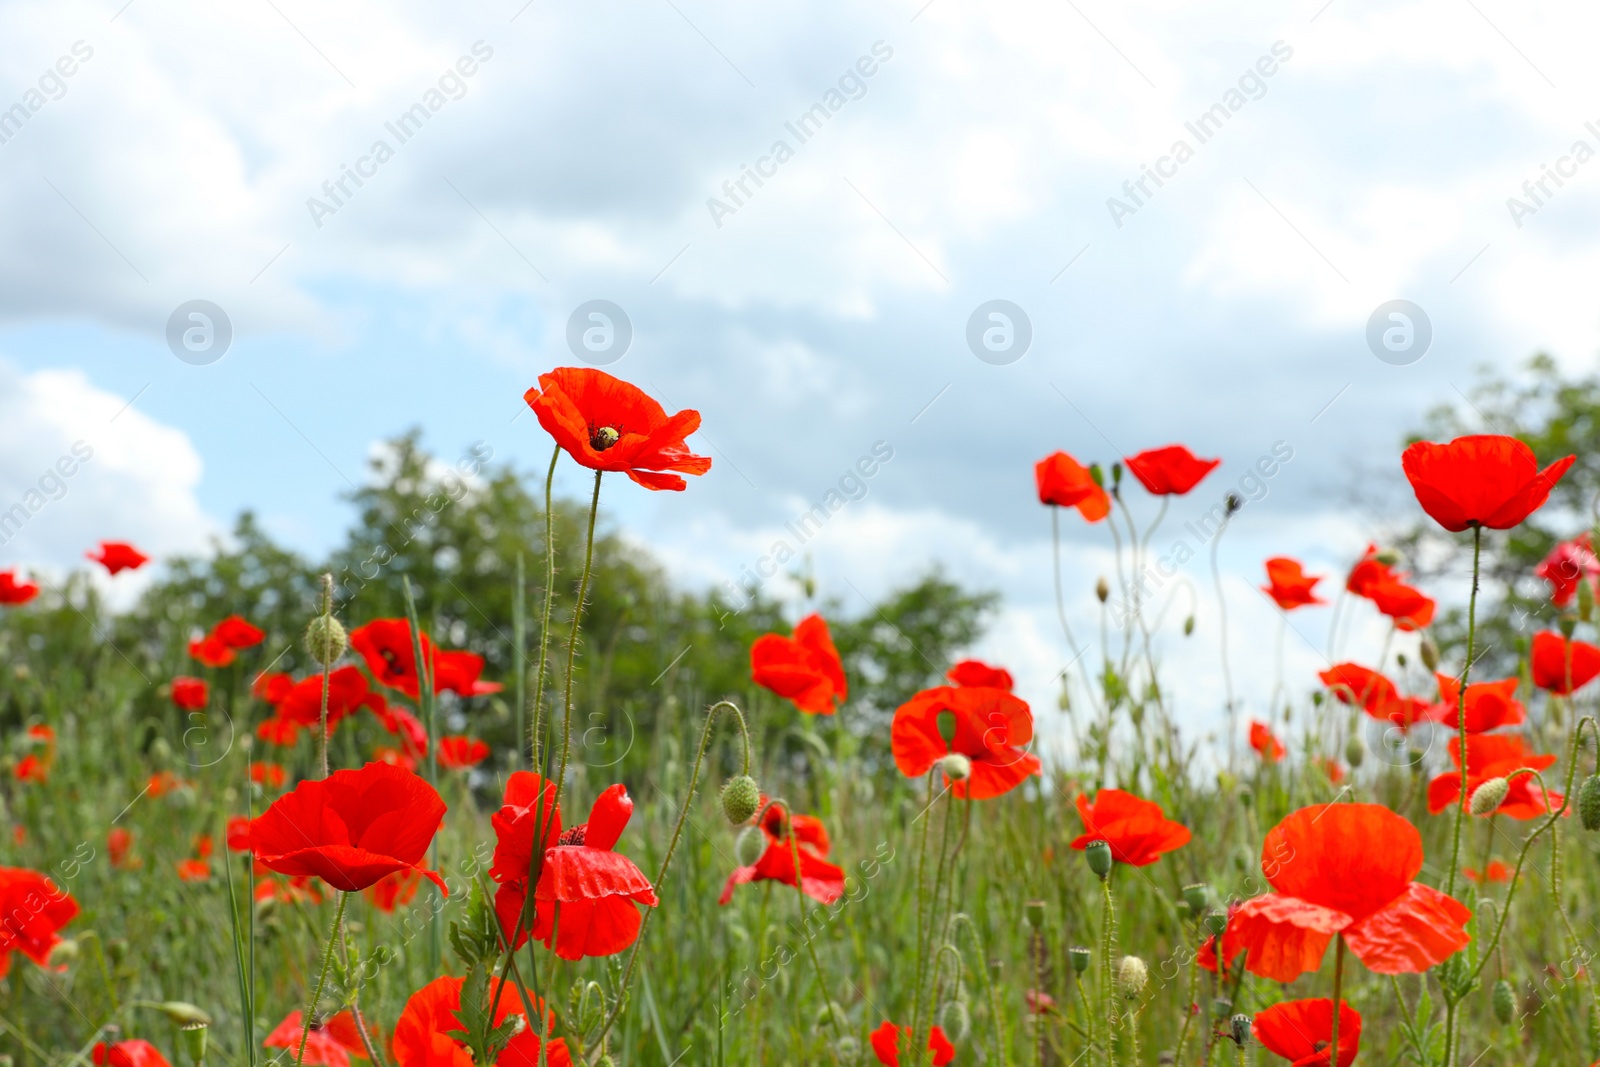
(325, 639)
(194, 1041)
(1400, 659)
(1567, 623)
(946, 721)
(64, 952)
(748, 846)
(847, 1048)
(955, 1020)
(1247, 797)
(1102, 589)
(182, 1013)
(1188, 626)
(740, 798)
(1096, 475)
(1504, 1002)
(1585, 601)
(1079, 958)
(1388, 557)
(1589, 802)
(1233, 502)
(1116, 475)
(1098, 853)
(956, 767)
(828, 1014)
(1033, 911)
(1487, 798)
(1239, 1027)
(1197, 896)
(1216, 923)
(1132, 974)
(1354, 751)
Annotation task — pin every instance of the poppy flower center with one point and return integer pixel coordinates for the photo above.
(603, 438)
(573, 835)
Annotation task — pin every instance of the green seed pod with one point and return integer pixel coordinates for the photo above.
(1429, 653)
(1354, 751)
(946, 721)
(1487, 798)
(325, 639)
(1567, 623)
(1504, 1001)
(1589, 802)
(1079, 958)
(1033, 911)
(1188, 626)
(1132, 976)
(1239, 1029)
(194, 1041)
(1221, 1008)
(740, 798)
(1197, 896)
(1098, 853)
(1216, 923)
(1388, 557)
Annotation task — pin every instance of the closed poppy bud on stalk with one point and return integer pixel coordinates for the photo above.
(1504, 1002)
(1102, 589)
(325, 639)
(1488, 797)
(182, 1013)
(1188, 626)
(1221, 1008)
(1098, 853)
(1116, 475)
(1079, 958)
(956, 767)
(740, 798)
(1132, 975)
(1097, 475)
(955, 1020)
(194, 1041)
(1247, 797)
(1589, 802)
(1354, 751)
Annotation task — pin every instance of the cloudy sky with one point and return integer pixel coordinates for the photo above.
(157, 153)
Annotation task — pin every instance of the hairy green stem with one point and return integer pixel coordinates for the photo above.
(535, 729)
(1461, 711)
(572, 639)
(322, 978)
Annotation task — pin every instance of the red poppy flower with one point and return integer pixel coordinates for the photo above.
(193, 870)
(130, 1053)
(1490, 705)
(1371, 569)
(975, 673)
(991, 724)
(404, 725)
(118, 841)
(1137, 831)
(457, 672)
(1289, 585)
(886, 1045)
(1374, 694)
(1495, 872)
(1568, 564)
(351, 828)
(1480, 480)
(1065, 483)
(13, 592)
(596, 888)
(235, 632)
(1331, 768)
(329, 1042)
(348, 692)
(1411, 609)
(804, 668)
(278, 731)
(190, 694)
(211, 651)
(459, 753)
(1265, 742)
(518, 825)
(31, 768)
(1169, 471)
(118, 556)
(272, 688)
(270, 775)
(1495, 756)
(395, 757)
(163, 782)
(1301, 1030)
(1038, 1003)
(425, 1034)
(237, 833)
(288, 890)
(1562, 666)
(386, 646)
(608, 425)
(1345, 869)
(32, 909)
(393, 890)
(819, 879)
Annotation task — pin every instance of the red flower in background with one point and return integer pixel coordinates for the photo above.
(163, 782)
(1490, 705)
(1496, 756)
(1480, 480)
(348, 693)
(597, 888)
(190, 694)
(1344, 869)
(886, 1045)
(804, 668)
(118, 841)
(1410, 608)
(1495, 872)
(425, 1034)
(13, 592)
(32, 909)
(608, 425)
(458, 672)
(236, 632)
(1169, 471)
(407, 727)
(1562, 666)
(1301, 1030)
(1371, 569)
(393, 890)
(351, 828)
(528, 822)
(130, 1053)
(386, 646)
(990, 725)
(197, 869)
(272, 688)
(460, 753)
(1063, 482)
(329, 1042)
(976, 673)
(211, 651)
(1568, 564)
(35, 766)
(118, 556)
(1289, 585)
(819, 879)
(1351, 683)
(1265, 742)
(266, 774)
(237, 834)
(1137, 831)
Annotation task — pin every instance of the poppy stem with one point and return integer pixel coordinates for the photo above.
(1061, 606)
(519, 638)
(1222, 638)
(426, 702)
(536, 733)
(1461, 710)
(1108, 924)
(327, 665)
(925, 948)
(322, 979)
(572, 639)
(811, 946)
(1338, 991)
